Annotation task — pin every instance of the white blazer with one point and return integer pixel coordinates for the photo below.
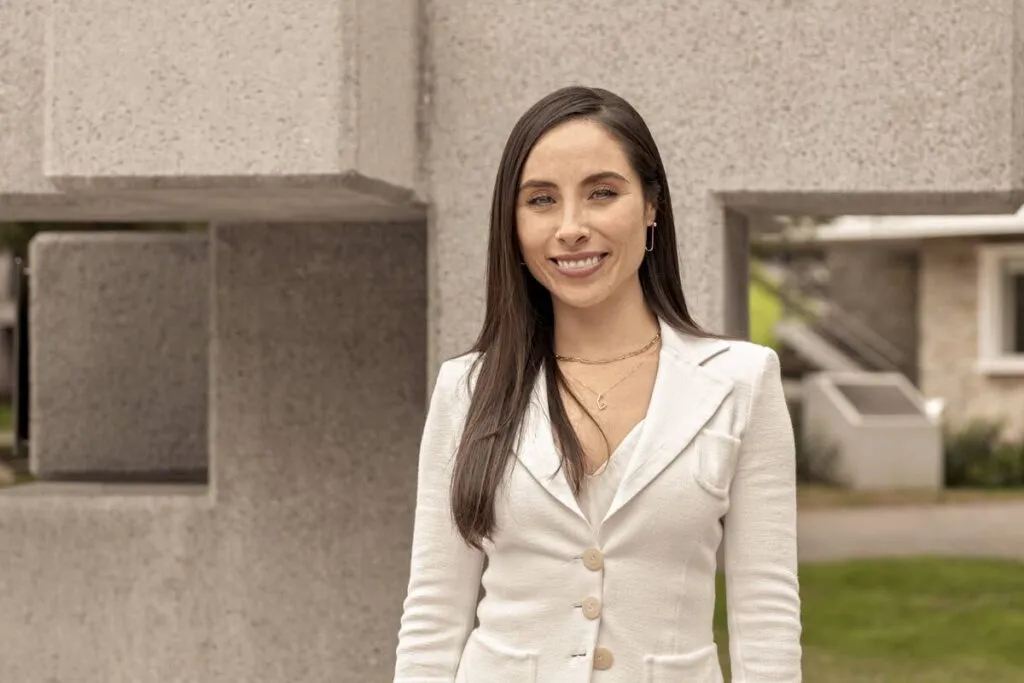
(632, 601)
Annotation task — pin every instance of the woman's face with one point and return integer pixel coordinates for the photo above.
(581, 217)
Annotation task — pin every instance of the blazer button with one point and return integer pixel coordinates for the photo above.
(591, 608)
(593, 559)
(603, 659)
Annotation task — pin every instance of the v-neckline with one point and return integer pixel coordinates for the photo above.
(624, 442)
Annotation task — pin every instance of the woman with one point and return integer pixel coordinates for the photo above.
(582, 466)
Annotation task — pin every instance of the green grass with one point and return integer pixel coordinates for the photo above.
(765, 311)
(920, 620)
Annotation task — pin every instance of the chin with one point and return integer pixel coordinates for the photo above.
(579, 300)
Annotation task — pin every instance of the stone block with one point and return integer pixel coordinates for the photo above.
(119, 329)
(209, 110)
(223, 90)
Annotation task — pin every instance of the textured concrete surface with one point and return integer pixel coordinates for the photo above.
(317, 406)
(119, 324)
(269, 89)
(109, 588)
(292, 564)
(25, 192)
(948, 323)
(298, 102)
(22, 68)
(873, 428)
(817, 105)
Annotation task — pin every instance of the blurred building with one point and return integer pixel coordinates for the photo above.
(937, 298)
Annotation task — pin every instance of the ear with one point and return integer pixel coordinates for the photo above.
(650, 214)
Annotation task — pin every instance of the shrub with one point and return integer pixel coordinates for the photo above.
(815, 455)
(978, 455)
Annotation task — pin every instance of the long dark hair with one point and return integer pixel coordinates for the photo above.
(516, 340)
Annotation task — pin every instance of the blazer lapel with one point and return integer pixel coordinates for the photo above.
(537, 451)
(685, 397)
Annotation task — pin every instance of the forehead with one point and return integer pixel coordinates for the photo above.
(573, 150)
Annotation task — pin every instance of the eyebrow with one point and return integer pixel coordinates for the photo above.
(592, 178)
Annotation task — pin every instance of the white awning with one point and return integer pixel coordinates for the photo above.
(853, 229)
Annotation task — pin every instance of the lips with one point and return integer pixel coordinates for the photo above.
(579, 265)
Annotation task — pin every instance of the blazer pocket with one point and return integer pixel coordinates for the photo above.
(716, 462)
(485, 661)
(699, 666)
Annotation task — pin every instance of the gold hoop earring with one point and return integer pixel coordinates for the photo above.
(649, 244)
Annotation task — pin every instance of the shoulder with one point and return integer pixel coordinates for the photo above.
(756, 375)
(455, 378)
(449, 398)
(745, 363)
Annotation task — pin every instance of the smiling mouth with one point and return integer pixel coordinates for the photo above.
(580, 265)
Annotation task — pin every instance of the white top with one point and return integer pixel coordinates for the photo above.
(599, 488)
(633, 600)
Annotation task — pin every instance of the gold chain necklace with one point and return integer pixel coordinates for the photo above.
(600, 402)
(606, 361)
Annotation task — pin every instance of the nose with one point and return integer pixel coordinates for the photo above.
(571, 230)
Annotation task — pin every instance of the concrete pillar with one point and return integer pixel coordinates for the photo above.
(736, 273)
(118, 368)
(318, 393)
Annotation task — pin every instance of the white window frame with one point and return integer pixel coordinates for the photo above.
(992, 360)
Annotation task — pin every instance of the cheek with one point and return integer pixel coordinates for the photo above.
(628, 238)
(531, 239)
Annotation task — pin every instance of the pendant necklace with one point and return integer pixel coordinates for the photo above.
(601, 403)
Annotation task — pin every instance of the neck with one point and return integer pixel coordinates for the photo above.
(619, 325)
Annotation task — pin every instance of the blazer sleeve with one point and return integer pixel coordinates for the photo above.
(760, 542)
(444, 578)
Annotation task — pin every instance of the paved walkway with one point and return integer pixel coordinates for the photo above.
(967, 529)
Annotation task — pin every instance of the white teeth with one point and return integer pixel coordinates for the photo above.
(579, 265)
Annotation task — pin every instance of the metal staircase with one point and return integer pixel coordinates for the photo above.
(821, 332)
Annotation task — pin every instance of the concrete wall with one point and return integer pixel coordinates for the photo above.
(948, 321)
(291, 565)
(817, 106)
(119, 329)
